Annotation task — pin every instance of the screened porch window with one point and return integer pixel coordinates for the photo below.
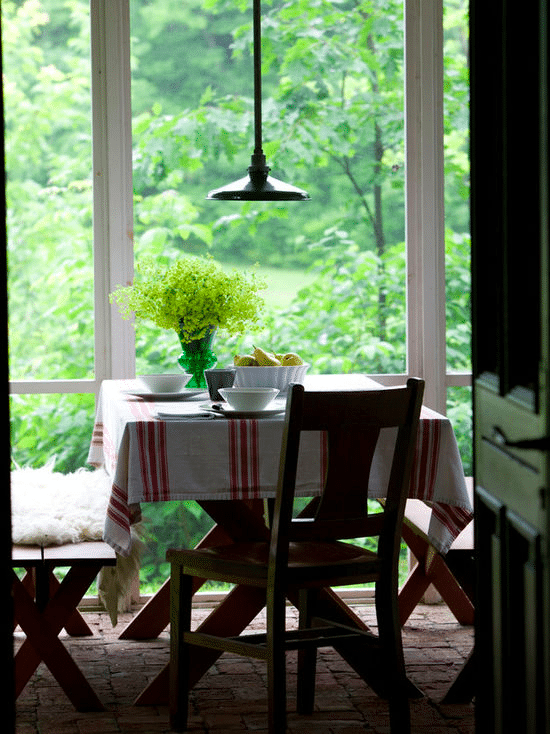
(120, 116)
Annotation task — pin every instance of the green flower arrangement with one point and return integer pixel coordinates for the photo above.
(193, 296)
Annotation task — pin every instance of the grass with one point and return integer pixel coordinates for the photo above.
(283, 284)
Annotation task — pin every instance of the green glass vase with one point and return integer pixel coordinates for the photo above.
(197, 356)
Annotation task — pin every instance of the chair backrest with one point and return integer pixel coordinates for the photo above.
(350, 423)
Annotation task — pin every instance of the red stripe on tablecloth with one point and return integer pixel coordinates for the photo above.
(153, 460)
(110, 452)
(243, 458)
(423, 455)
(117, 509)
(323, 439)
(141, 409)
(233, 465)
(97, 434)
(142, 443)
(424, 469)
(163, 461)
(254, 460)
(151, 439)
(436, 445)
(155, 454)
(454, 519)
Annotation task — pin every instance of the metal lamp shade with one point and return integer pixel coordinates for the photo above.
(258, 185)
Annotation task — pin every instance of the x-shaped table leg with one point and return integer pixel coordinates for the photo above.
(42, 627)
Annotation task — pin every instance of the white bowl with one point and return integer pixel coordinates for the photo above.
(165, 383)
(279, 377)
(248, 398)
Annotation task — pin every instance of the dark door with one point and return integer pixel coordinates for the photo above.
(510, 254)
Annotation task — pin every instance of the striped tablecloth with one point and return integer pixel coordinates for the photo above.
(194, 457)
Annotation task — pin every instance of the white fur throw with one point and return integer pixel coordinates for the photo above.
(49, 508)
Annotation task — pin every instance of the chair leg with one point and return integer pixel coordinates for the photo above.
(400, 715)
(389, 631)
(276, 664)
(307, 658)
(181, 595)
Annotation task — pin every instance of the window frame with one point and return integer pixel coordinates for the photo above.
(113, 206)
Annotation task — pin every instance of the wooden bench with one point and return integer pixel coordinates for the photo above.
(43, 606)
(452, 575)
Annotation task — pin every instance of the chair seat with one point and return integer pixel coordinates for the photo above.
(315, 562)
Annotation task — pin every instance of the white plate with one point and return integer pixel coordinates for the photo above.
(228, 412)
(182, 395)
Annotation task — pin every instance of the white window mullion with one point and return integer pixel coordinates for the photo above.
(426, 354)
(113, 191)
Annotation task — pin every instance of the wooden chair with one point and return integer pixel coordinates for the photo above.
(452, 575)
(305, 555)
(43, 606)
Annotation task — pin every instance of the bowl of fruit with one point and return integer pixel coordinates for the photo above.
(262, 368)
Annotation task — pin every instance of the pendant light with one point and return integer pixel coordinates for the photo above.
(258, 185)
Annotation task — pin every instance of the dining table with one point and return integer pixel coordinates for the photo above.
(183, 447)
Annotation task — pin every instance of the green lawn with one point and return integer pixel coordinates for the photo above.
(283, 285)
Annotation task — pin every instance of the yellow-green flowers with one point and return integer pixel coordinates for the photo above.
(191, 295)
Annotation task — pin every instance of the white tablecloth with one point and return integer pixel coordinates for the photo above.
(196, 458)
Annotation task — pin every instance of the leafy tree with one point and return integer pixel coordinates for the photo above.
(48, 160)
(333, 116)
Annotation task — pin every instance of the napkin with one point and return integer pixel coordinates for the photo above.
(182, 412)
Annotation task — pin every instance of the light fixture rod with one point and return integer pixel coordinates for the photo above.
(257, 49)
(258, 185)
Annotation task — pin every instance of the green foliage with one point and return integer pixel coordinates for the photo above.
(458, 300)
(347, 286)
(51, 428)
(459, 411)
(191, 295)
(168, 525)
(48, 159)
(332, 119)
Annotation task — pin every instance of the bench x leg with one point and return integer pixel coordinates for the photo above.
(76, 625)
(432, 568)
(42, 644)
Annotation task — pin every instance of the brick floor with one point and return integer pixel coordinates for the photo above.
(231, 696)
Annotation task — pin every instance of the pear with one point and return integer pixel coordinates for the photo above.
(291, 359)
(245, 360)
(265, 359)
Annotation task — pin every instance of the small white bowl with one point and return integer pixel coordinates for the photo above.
(248, 398)
(165, 383)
